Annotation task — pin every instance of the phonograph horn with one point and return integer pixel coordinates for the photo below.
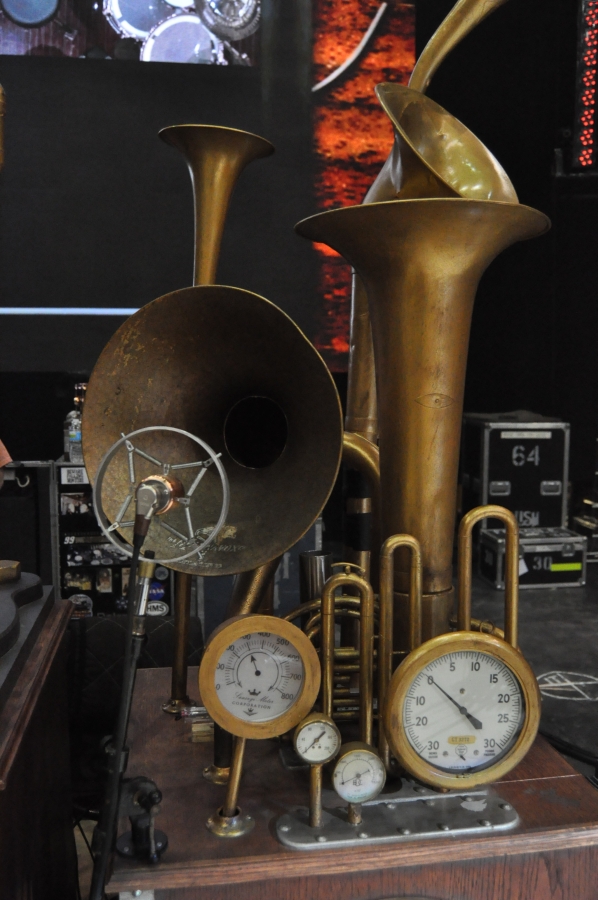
(423, 182)
(420, 262)
(230, 366)
(216, 156)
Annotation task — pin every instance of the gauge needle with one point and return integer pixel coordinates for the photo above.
(257, 671)
(316, 740)
(353, 777)
(462, 709)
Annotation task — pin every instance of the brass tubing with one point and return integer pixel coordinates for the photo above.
(354, 814)
(385, 651)
(363, 456)
(232, 792)
(511, 568)
(315, 796)
(463, 18)
(366, 663)
(327, 641)
(182, 612)
(250, 588)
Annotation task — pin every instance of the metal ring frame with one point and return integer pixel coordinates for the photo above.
(108, 528)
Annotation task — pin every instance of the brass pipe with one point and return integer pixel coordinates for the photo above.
(463, 18)
(361, 417)
(345, 600)
(250, 588)
(354, 814)
(216, 156)
(481, 625)
(385, 640)
(366, 646)
(315, 796)
(363, 456)
(230, 807)
(511, 568)
(179, 698)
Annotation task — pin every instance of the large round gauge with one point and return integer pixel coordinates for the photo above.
(462, 710)
(359, 774)
(259, 676)
(317, 739)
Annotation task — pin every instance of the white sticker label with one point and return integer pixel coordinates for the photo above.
(73, 475)
(523, 569)
(157, 608)
(533, 435)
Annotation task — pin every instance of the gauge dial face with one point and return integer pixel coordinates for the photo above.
(464, 711)
(318, 741)
(259, 677)
(359, 775)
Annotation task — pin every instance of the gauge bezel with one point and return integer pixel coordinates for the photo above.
(411, 667)
(310, 720)
(358, 747)
(228, 633)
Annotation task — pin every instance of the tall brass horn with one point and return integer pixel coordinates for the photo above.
(420, 262)
(361, 390)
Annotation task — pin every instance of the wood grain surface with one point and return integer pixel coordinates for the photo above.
(548, 857)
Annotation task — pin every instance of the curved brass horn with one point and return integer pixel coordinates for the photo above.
(216, 156)
(421, 261)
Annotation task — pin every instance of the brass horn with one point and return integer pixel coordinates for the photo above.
(420, 262)
(391, 184)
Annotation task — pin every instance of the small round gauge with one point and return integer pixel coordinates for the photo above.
(462, 709)
(359, 774)
(317, 739)
(259, 676)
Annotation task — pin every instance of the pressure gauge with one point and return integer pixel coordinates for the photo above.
(462, 710)
(317, 739)
(359, 774)
(259, 676)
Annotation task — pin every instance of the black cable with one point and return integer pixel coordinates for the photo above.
(106, 827)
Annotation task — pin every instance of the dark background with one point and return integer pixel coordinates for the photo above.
(96, 211)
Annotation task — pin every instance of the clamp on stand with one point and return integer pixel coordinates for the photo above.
(140, 801)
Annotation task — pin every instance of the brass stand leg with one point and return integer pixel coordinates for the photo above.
(354, 814)
(219, 771)
(315, 796)
(182, 611)
(228, 821)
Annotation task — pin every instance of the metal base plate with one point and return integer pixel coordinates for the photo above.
(176, 707)
(216, 774)
(230, 826)
(412, 812)
(124, 844)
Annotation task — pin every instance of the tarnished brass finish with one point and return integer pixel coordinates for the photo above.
(225, 635)
(315, 796)
(361, 454)
(178, 361)
(366, 648)
(362, 416)
(484, 626)
(10, 570)
(216, 156)
(217, 774)
(229, 821)
(421, 261)
(179, 698)
(385, 639)
(465, 640)
(463, 18)
(511, 568)
(250, 589)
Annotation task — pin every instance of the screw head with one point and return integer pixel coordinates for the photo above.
(429, 802)
(285, 827)
(419, 790)
(137, 893)
(404, 831)
(485, 823)
(391, 805)
(321, 838)
(126, 850)
(363, 834)
(506, 806)
(443, 827)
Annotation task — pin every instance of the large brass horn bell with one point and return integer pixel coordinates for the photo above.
(231, 367)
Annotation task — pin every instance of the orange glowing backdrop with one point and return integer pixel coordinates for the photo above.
(352, 135)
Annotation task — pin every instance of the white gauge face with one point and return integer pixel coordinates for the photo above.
(359, 776)
(317, 742)
(259, 677)
(464, 711)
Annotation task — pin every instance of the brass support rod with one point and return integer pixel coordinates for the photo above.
(354, 814)
(511, 568)
(362, 455)
(366, 664)
(182, 612)
(315, 796)
(250, 589)
(232, 792)
(385, 651)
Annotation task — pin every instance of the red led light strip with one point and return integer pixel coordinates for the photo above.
(585, 137)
